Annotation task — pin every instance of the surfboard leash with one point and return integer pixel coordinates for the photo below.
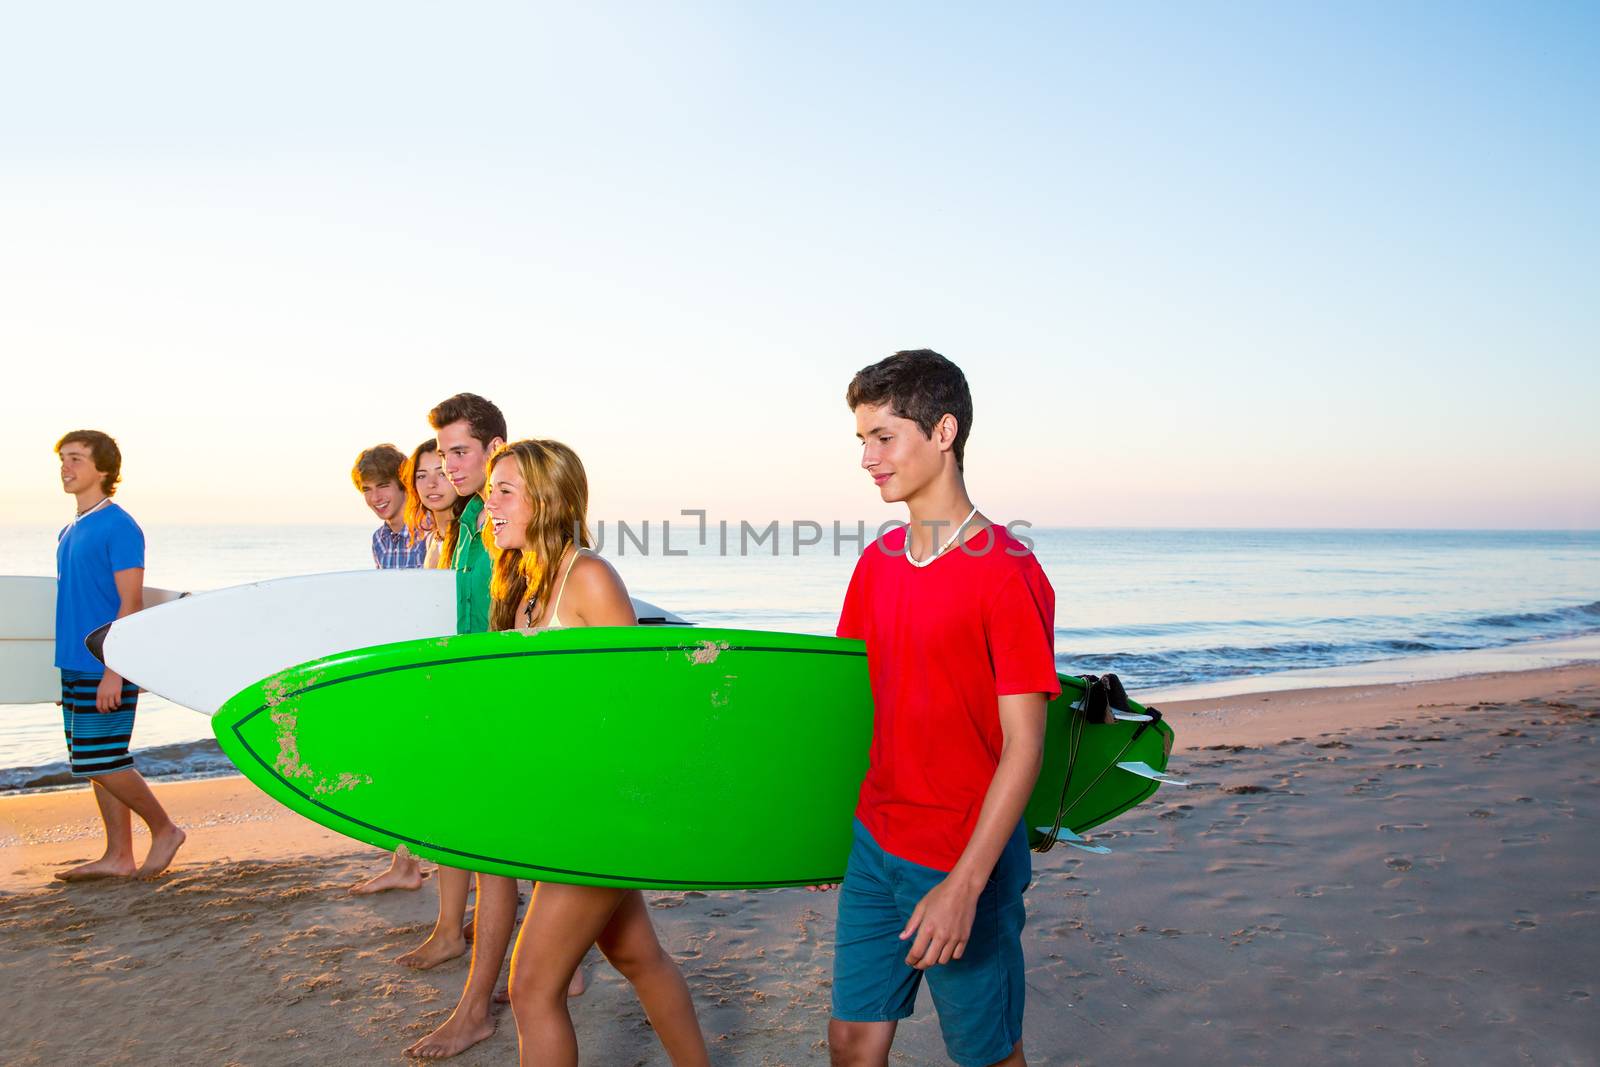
(1100, 697)
(1074, 741)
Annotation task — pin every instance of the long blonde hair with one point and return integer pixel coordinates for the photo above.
(558, 489)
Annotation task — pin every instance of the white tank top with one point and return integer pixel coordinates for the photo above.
(555, 622)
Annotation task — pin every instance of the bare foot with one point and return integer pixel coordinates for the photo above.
(405, 872)
(453, 1038)
(163, 846)
(432, 952)
(104, 867)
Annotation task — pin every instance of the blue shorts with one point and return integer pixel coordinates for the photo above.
(96, 743)
(979, 997)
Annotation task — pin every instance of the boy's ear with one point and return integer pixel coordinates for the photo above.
(945, 430)
(495, 442)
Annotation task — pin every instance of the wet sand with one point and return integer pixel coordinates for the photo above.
(1395, 874)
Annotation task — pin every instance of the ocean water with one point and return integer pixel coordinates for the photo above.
(1162, 608)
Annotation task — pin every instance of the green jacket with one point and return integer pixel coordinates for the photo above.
(473, 569)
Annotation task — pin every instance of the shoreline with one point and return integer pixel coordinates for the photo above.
(1275, 690)
(1513, 657)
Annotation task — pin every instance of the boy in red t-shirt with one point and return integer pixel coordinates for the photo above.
(959, 623)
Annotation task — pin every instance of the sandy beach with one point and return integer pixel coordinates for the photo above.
(1389, 874)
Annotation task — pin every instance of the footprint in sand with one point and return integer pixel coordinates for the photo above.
(1397, 863)
(1318, 890)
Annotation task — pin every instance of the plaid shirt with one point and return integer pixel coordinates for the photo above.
(391, 551)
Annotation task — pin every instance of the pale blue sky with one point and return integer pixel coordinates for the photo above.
(1204, 264)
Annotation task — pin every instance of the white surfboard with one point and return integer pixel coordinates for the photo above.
(200, 651)
(28, 673)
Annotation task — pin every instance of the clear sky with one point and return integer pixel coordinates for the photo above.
(1204, 264)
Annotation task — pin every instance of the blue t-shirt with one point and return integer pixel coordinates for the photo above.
(88, 553)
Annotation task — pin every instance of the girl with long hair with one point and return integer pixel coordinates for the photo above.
(544, 579)
(432, 503)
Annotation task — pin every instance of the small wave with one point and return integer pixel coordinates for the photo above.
(1536, 618)
(1329, 640)
(193, 759)
(1164, 668)
(1411, 646)
(1164, 629)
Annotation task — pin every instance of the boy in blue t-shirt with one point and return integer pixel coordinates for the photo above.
(99, 578)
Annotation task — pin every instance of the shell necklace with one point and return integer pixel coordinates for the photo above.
(915, 562)
(84, 514)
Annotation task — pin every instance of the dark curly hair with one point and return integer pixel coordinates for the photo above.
(920, 385)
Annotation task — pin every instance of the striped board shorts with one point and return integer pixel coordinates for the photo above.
(96, 743)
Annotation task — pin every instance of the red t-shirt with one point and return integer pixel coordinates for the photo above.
(944, 643)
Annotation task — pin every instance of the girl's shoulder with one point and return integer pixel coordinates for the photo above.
(591, 584)
(591, 571)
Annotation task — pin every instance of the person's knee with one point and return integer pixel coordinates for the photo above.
(1013, 1059)
(636, 961)
(853, 1044)
(533, 991)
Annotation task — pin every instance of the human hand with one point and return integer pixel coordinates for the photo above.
(108, 697)
(942, 922)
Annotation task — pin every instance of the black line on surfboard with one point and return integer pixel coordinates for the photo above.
(430, 664)
(238, 724)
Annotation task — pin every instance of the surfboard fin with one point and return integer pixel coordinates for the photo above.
(647, 614)
(96, 642)
(1067, 837)
(1144, 770)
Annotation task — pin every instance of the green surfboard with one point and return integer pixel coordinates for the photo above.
(657, 757)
